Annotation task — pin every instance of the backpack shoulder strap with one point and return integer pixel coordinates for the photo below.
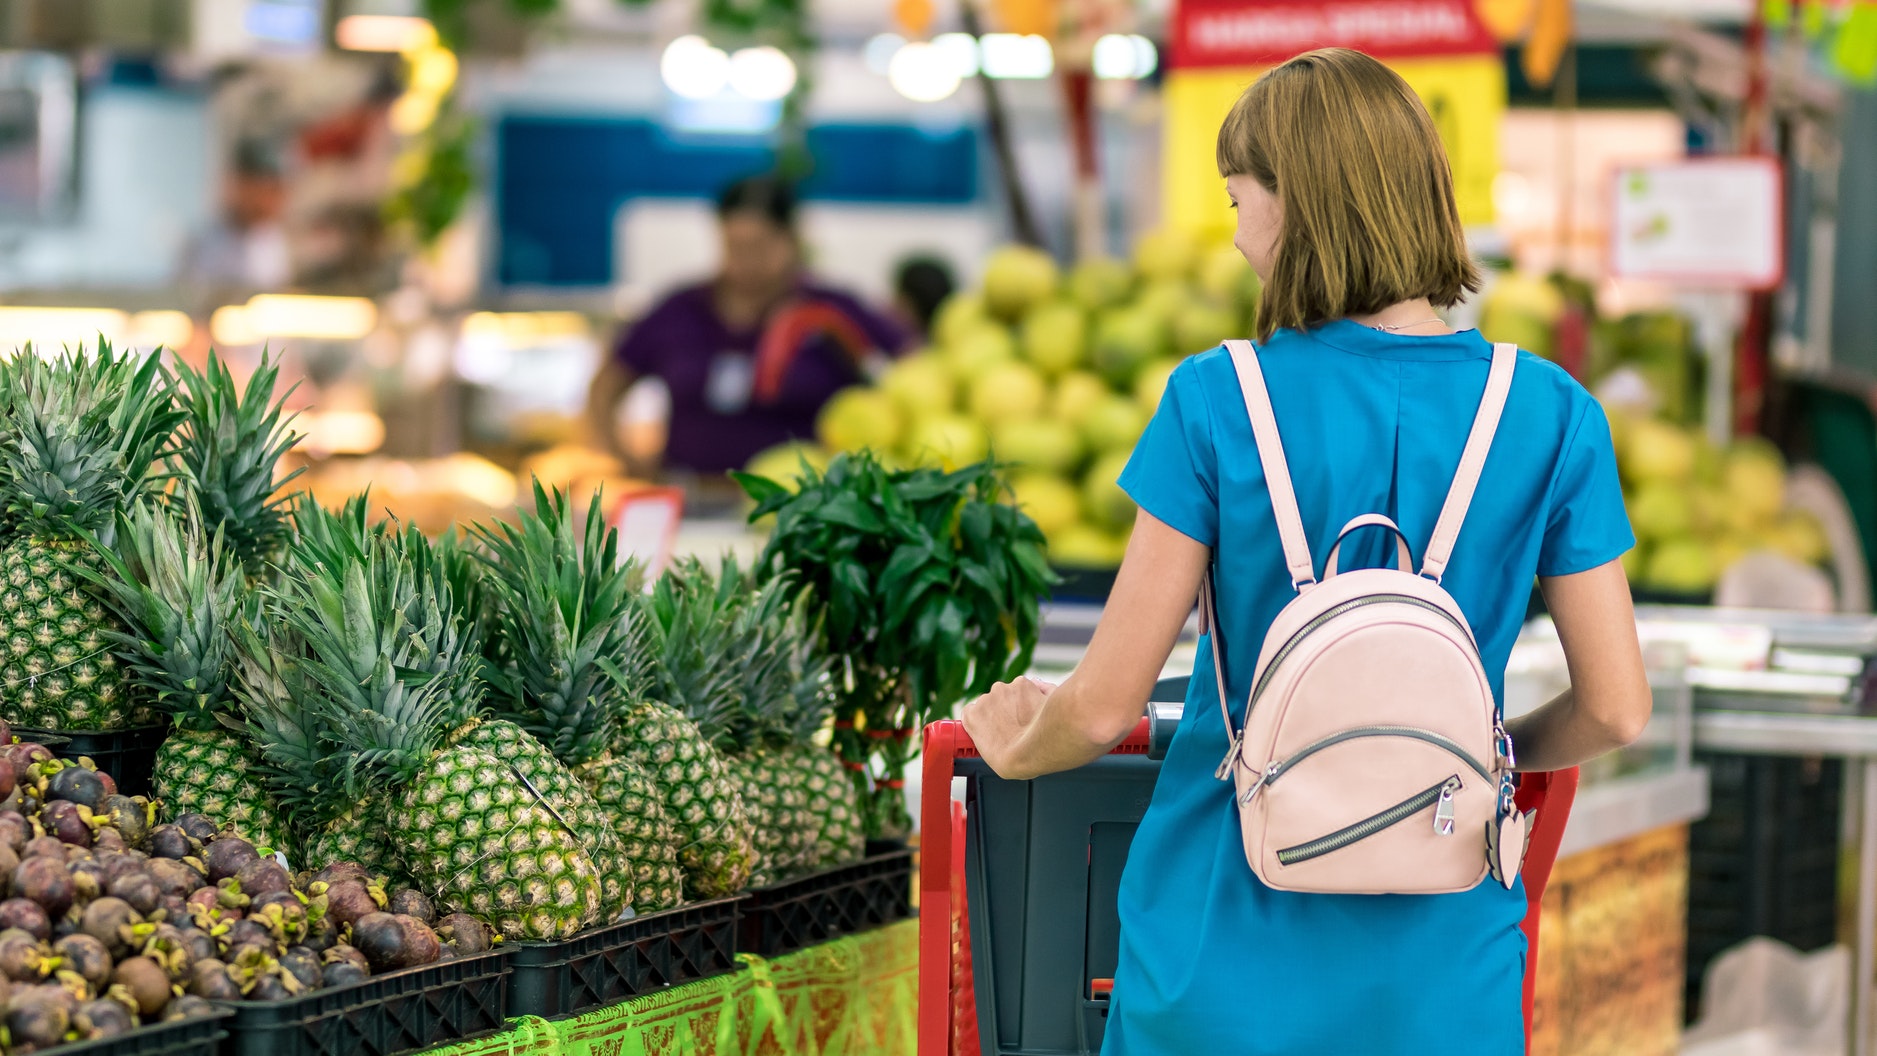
(1472, 462)
(1276, 470)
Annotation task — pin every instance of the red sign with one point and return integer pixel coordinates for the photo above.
(1259, 33)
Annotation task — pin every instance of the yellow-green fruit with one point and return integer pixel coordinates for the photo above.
(1053, 503)
(1225, 277)
(1152, 383)
(946, 439)
(1168, 300)
(1125, 340)
(960, 313)
(1074, 394)
(1112, 423)
(1169, 253)
(1682, 566)
(1105, 504)
(1017, 277)
(1086, 546)
(858, 418)
(1799, 536)
(921, 384)
(1523, 309)
(1037, 443)
(1754, 476)
(1729, 549)
(1055, 337)
(1202, 326)
(1635, 561)
(1008, 391)
(977, 349)
(783, 462)
(1098, 282)
(1655, 450)
(1661, 510)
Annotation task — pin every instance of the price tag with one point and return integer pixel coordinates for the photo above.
(647, 522)
(1713, 222)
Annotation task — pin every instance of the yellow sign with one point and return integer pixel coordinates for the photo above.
(1466, 95)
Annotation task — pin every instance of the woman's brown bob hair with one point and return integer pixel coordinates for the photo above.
(1367, 194)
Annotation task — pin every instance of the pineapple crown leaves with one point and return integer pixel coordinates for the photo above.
(566, 641)
(295, 749)
(698, 619)
(83, 431)
(232, 440)
(177, 591)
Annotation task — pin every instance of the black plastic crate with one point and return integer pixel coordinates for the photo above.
(1765, 859)
(601, 966)
(400, 1011)
(129, 756)
(845, 900)
(195, 1036)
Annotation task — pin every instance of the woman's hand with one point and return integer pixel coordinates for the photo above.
(998, 720)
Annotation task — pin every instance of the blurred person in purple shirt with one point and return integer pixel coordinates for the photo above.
(750, 356)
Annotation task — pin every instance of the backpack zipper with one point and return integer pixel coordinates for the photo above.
(1439, 796)
(1225, 765)
(1279, 769)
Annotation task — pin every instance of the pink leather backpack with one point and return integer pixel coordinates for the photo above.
(1371, 759)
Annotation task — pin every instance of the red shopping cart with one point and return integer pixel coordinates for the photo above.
(1024, 962)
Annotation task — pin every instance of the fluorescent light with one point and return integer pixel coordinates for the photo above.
(50, 329)
(693, 69)
(879, 51)
(320, 318)
(1125, 57)
(1146, 56)
(1016, 57)
(384, 33)
(961, 50)
(230, 326)
(922, 73)
(340, 432)
(166, 329)
(764, 73)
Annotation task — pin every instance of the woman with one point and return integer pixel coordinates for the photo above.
(1346, 212)
(750, 357)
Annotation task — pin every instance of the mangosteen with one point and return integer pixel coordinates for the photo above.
(188, 1006)
(34, 1022)
(26, 915)
(102, 1018)
(8, 781)
(15, 829)
(146, 981)
(44, 847)
(112, 921)
(23, 755)
(9, 859)
(447, 953)
(303, 965)
(338, 871)
(108, 839)
(389, 942)
(287, 921)
(210, 979)
(109, 783)
(23, 959)
(225, 855)
(70, 822)
(465, 933)
(321, 934)
(263, 876)
(139, 889)
(200, 826)
(47, 882)
(343, 973)
(88, 957)
(270, 988)
(200, 944)
(75, 784)
(244, 934)
(347, 901)
(346, 954)
(174, 877)
(413, 903)
(170, 841)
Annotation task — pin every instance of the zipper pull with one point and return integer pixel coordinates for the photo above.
(1504, 742)
(1443, 811)
(1224, 772)
(1269, 775)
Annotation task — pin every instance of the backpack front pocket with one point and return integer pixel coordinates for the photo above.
(1439, 797)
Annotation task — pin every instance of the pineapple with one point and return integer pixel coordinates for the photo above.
(561, 620)
(177, 591)
(384, 674)
(228, 453)
(80, 435)
(669, 733)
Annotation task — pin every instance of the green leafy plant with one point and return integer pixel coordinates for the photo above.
(926, 586)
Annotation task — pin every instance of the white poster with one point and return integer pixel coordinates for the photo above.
(1713, 222)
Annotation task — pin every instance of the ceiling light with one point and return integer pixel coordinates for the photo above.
(763, 73)
(322, 318)
(384, 33)
(1016, 57)
(692, 69)
(165, 329)
(923, 73)
(879, 51)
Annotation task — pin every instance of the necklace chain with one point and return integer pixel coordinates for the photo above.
(1406, 326)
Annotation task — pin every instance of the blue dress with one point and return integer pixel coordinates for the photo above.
(1211, 960)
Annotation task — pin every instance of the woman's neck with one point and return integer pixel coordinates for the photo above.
(744, 309)
(1406, 317)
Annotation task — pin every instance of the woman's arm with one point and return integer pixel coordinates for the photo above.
(1608, 703)
(1026, 729)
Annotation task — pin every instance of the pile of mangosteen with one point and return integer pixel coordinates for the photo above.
(112, 921)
